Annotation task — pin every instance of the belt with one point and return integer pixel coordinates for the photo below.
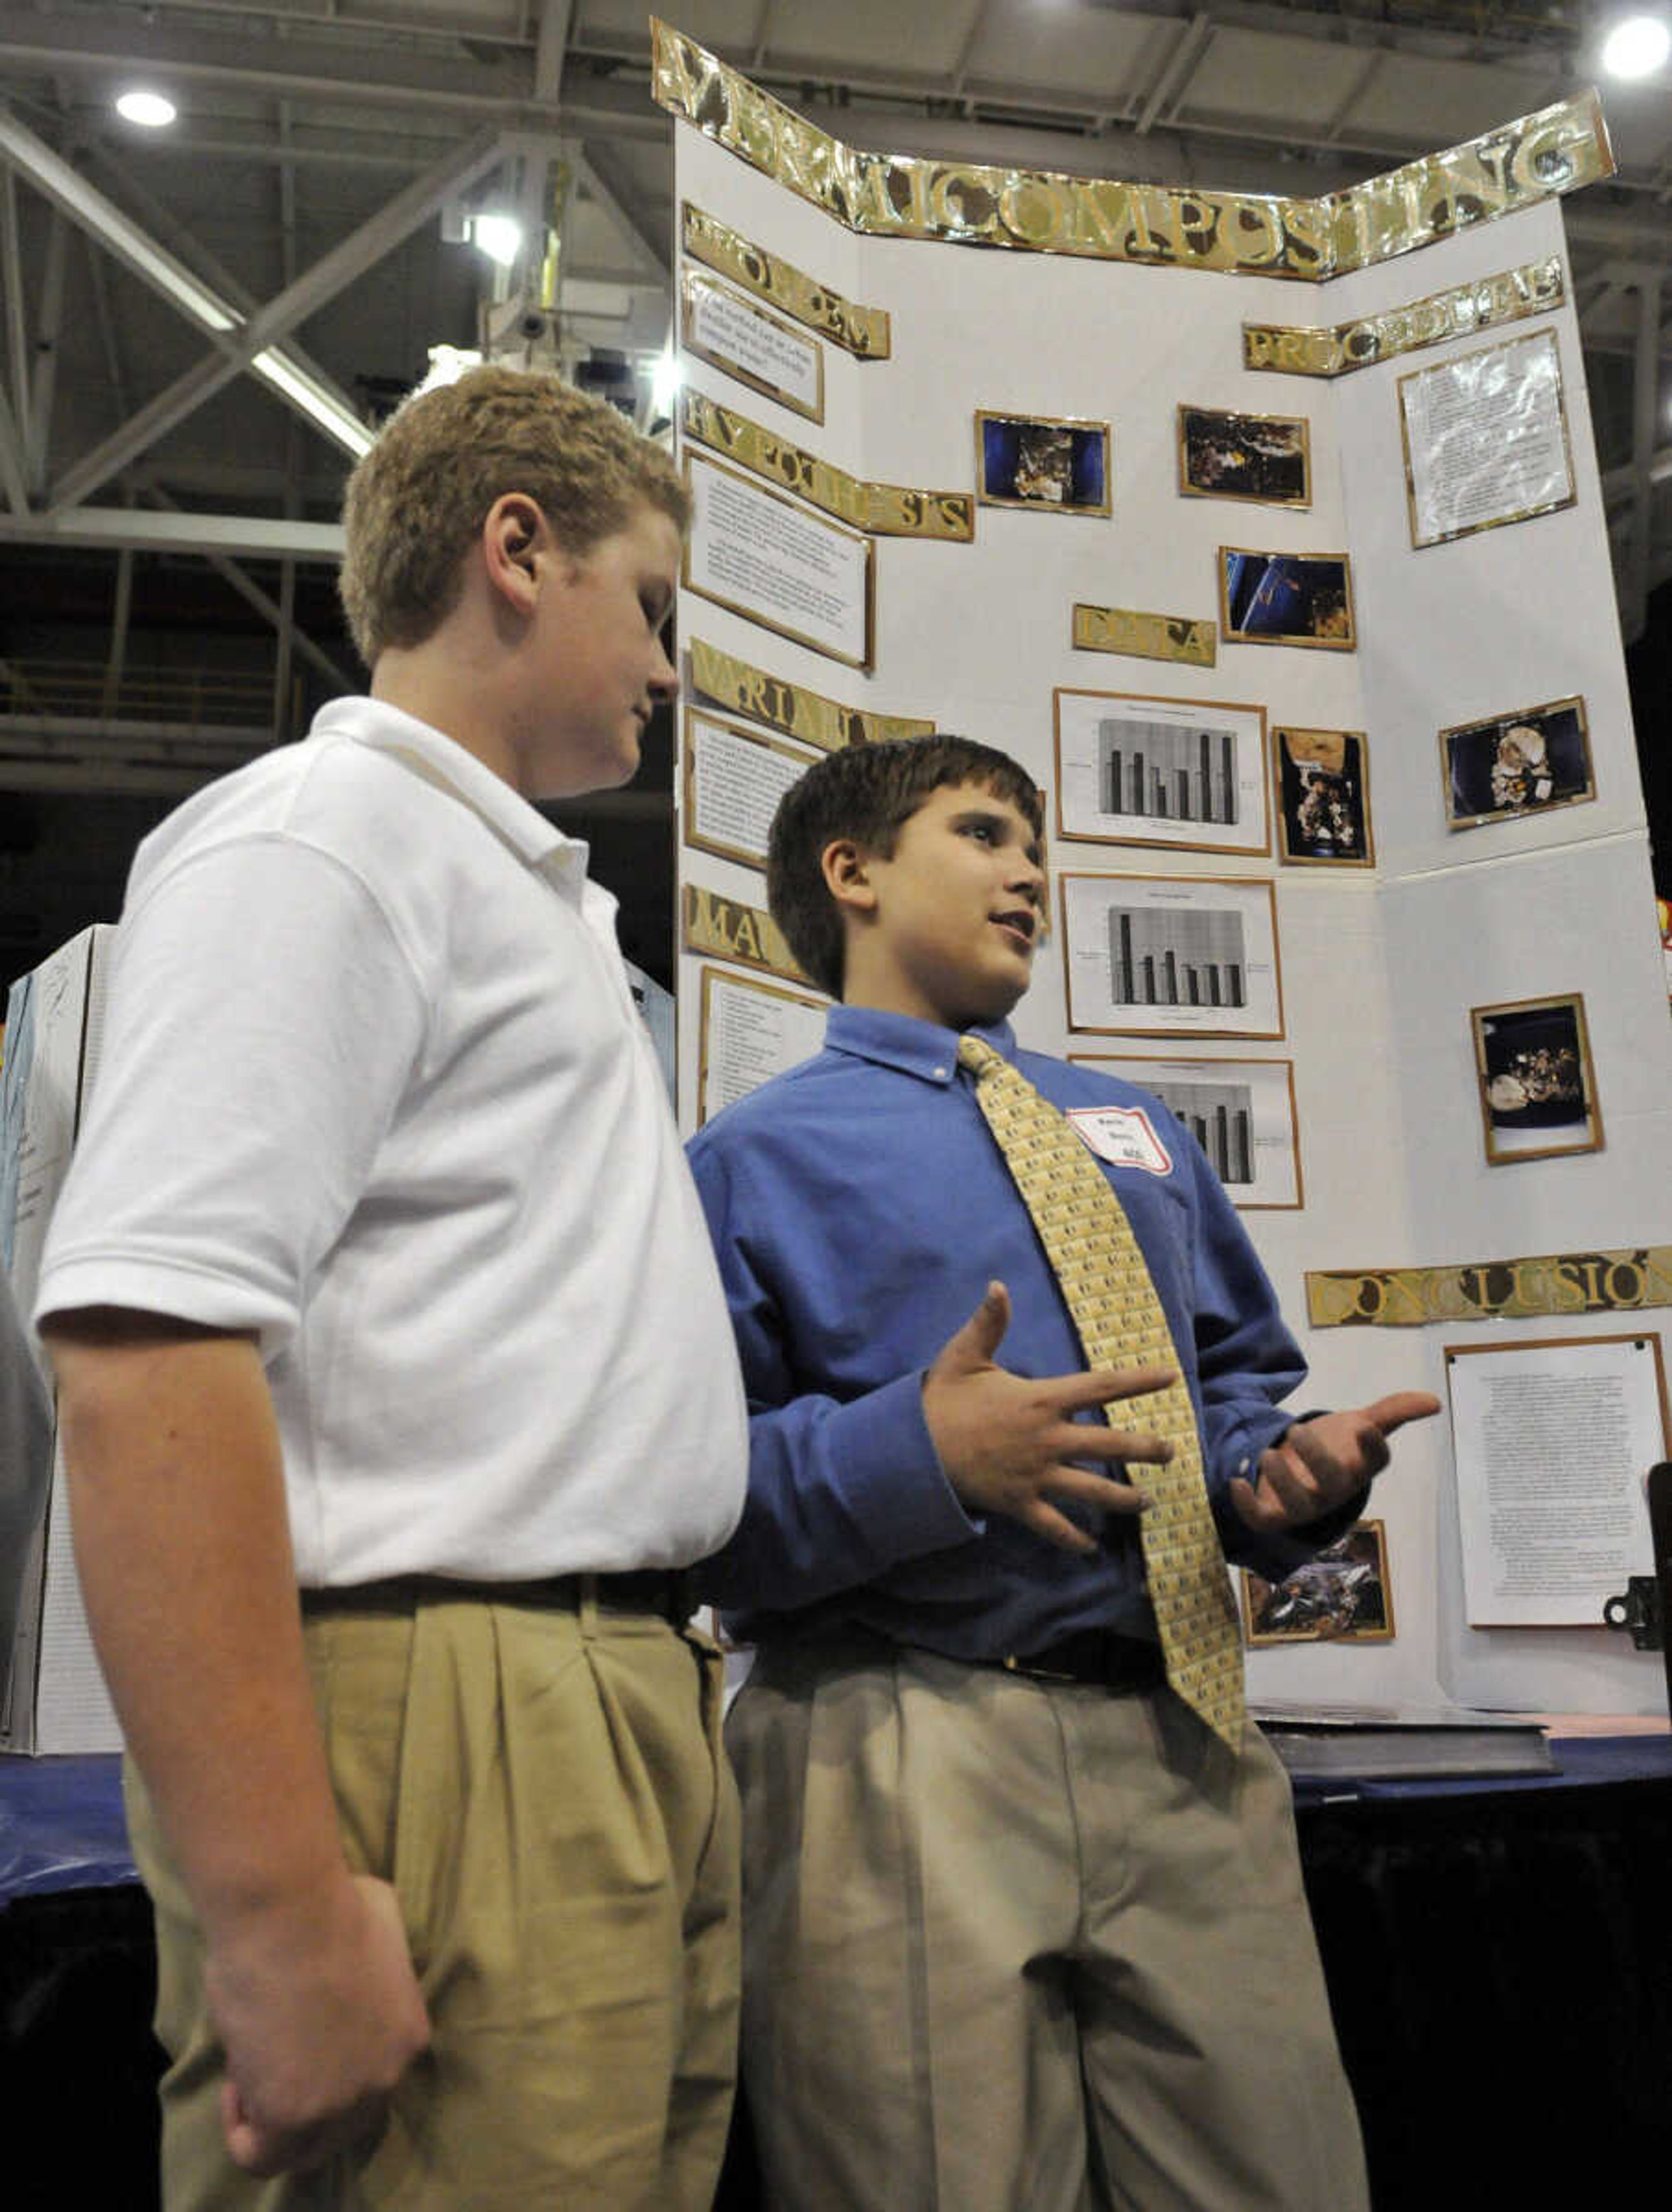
(1096, 1656)
(666, 1593)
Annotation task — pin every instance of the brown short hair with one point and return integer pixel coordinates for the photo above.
(867, 792)
(415, 502)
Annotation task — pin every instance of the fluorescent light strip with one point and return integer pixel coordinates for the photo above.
(314, 400)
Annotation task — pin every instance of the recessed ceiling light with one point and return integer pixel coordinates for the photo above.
(1637, 47)
(149, 109)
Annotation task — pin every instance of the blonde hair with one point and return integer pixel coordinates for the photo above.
(416, 500)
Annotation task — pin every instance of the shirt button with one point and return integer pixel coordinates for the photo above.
(942, 1074)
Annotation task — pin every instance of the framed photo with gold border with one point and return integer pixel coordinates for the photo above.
(1537, 1082)
(1053, 463)
(1528, 761)
(1241, 1112)
(1344, 1596)
(1486, 440)
(779, 563)
(1265, 460)
(1163, 955)
(1286, 599)
(751, 1031)
(1135, 769)
(1322, 787)
(747, 342)
(733, 778)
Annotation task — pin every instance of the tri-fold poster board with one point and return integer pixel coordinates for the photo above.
(1199, 504)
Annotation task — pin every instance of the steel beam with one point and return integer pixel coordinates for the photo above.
(1190, 49)
(551, 46)
(38, 426)
(261, 536)
(12, 477)
(361, 249)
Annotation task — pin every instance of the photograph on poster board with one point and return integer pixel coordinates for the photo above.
(1344, 1596)
(1485, 440)
(1059, 463)
(1322, 779)
(1538, 1087)
(734, 779)
(1525, 761)
(1264, 459)
(1241, 1112)
(1551, 1439)
(781, 564)
(1286, 599)
(1133, 769)
(750, 343)
(1150, 955)
(751, 1031)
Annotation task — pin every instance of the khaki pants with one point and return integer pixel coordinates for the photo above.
(1017, 1947)
(544, 1788)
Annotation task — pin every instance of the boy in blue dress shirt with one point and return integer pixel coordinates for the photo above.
(1021, 1934)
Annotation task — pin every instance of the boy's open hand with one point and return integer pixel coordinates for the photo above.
(1004, 1440)
(1318, 1465)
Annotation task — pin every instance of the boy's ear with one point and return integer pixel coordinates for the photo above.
(846, 867)
(515, 536)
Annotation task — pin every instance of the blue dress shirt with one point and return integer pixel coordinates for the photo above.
(859, 1207)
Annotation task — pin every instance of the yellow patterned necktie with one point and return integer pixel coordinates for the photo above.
(1114, 1304)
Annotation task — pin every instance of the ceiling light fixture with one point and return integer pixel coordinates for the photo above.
(1637, 47)
(498, 236)
(322, 406)
(151, 110)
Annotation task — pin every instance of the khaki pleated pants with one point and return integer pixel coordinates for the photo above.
(545, 1788)
(1018, 1947)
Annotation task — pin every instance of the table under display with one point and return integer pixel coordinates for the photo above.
(1498, 1954)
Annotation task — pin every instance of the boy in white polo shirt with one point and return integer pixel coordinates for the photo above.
(379, 1275)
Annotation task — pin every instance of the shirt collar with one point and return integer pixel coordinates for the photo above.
(440, 760)
(901, 1041)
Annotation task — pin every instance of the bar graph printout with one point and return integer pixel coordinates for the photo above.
(1143, 771)
(1148, 954)
(1241, 1112)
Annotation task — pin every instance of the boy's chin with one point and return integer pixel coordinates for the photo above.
(982, 1009)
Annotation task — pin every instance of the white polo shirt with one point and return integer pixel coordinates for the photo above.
(373, 1085)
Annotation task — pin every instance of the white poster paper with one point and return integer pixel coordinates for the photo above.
(1552, 1442)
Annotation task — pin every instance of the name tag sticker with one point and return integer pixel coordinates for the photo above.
(1122, 1136)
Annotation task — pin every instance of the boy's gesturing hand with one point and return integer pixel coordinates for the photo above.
(1005, 1440)
(1318, 1465)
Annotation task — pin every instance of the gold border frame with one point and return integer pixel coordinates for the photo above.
(1347, 644)
(1575, 1000)
(1495, 722)
(710, 976)
(1545, 337)
(1255, 1642)
(1301, 422)
(1279, 731)
(693, 280)
(807, 513)
(688, 830)
(1294, 1205)
(1262, 851)
(1219, 884)
(1106, 435)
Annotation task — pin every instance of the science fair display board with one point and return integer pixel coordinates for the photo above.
(1269, 535)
